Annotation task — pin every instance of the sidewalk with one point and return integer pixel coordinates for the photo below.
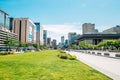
(108, 66)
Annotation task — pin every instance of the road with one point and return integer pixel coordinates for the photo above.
(108, 66)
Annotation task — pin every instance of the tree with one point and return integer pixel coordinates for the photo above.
(36, 45)
(9, 42)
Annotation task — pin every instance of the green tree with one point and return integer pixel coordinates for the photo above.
(9, 42)
(36, 45)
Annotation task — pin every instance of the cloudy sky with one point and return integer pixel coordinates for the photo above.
(62, 16)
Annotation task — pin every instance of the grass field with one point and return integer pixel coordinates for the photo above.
(45, 65)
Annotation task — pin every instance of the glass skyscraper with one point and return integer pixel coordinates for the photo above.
(4, 19)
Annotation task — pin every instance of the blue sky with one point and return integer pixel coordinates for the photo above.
(62, 16)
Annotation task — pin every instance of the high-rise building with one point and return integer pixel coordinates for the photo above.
(4, 20)
(88, 28)
(66, 43)
(54, 44)
(71, 37)
(114, 30)
(45, 36)
(39, 33)
(49, 42)
(62, 40)
(25, 29)
(4, 29)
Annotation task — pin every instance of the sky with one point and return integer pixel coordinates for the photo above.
(60, 17)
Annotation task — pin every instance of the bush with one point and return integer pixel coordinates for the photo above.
(63, 57)
(117, 55)
(73, 58)
(3, 53)
(61, 51)
(66, 56)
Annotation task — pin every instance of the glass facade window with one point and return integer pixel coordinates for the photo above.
(4, 20)
(1, 19)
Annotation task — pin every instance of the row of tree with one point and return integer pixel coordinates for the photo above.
(106, 45)
(17, 44)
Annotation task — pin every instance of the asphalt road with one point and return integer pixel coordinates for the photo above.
(108, 66)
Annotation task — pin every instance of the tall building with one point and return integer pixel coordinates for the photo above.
(54, 44)
(62, 40)
(45, 37)
(88, 28)
(4, 29)
(25, 29)
(39, 33)
(66, 43)
(4, 20)
(114, 30)
(71, 37)
(49, 42)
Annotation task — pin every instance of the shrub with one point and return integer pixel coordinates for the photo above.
(73, 58)
(63, 57)
(61, 51)
(5, 53)
(117, 55)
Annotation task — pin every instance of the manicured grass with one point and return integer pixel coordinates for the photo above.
(45, 65)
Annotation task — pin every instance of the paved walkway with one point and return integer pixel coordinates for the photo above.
(108, 66)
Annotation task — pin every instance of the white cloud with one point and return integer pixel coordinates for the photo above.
(56, 31)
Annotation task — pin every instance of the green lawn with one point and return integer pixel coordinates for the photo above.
(45, 65)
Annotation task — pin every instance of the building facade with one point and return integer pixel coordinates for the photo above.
(5, 29)
(71, 37)
(54, 44)
(66, 43)
(39, 33)
(62, 41)
(49, 44)
(4, 20)
(25, 29)
(4, 34)
(88, 28)
(45, 37)
(97, 38)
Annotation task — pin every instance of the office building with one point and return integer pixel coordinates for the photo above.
(49, 42)
(66, 43)
(4, 34)
(45, 37)
(114, 30)
(88, 28)
(39, 33)
(62, 40)
(54, 44)
(25, 29)
(4, 20)
(71, 37)
(4, 29)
